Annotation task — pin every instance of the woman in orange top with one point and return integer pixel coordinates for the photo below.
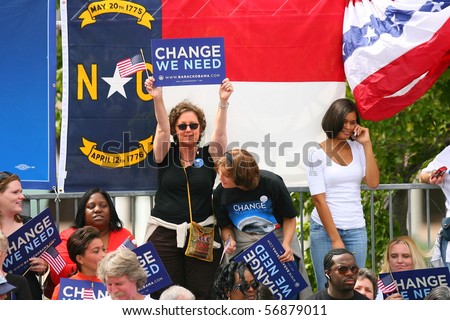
(96, 209)
(86, 250)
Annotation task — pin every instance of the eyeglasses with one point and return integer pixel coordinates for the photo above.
(244, 287)
(344, 269)
(5, 174)
(183, 126)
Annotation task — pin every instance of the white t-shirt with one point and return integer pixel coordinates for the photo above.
(442, 159)
(341, 185)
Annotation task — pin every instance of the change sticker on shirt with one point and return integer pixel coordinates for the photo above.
(254, 216)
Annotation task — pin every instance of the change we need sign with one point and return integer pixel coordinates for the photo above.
(73, 289)
(31, 240)
(190, 61)
(157, 276)
(283, 279)
(416, 284)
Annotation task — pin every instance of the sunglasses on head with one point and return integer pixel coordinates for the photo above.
(183, 126)
(5, 174)
(229, 157)
(344, 269)
(244, 287)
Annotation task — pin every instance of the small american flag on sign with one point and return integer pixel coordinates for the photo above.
(54, 259)
(88, 294)
(130, 66)
(386, 283)
(128, 244)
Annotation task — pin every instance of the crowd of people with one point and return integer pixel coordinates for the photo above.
(245, 205)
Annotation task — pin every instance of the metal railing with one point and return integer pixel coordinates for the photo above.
(139, 213)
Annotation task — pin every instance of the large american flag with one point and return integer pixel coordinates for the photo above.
(394, 51)
(54, 259)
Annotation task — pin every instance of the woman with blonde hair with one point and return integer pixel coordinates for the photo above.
(401, 254)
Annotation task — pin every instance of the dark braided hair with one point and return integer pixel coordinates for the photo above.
(328, 259)
(224, 278)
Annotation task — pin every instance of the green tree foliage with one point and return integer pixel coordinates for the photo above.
(405, 142)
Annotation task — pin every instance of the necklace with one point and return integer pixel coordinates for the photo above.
(196, 162)
(186, 160)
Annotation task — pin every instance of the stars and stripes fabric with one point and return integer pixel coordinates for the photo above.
(394, 51)
(128, 244)
(54, 259)
(130, 66)
(386, 283)
(88, 294)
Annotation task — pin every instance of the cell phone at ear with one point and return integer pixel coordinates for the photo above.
(439, 172)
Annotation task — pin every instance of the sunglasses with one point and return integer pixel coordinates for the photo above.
(229, 157)
(183, 126)
(344, 269)
(244, 287)
(5, 174)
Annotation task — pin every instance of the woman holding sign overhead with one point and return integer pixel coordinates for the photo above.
(186, 179)
(249, 203)
(11, 220)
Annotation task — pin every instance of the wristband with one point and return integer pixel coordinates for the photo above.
(224, 106)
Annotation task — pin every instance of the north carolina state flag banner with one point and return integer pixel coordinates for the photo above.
(284, 58)
(108, 119)
(394, 51)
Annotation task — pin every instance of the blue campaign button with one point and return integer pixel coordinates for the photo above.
(198, 163)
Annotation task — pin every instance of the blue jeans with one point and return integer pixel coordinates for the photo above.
(444, 245)
(355, 240)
